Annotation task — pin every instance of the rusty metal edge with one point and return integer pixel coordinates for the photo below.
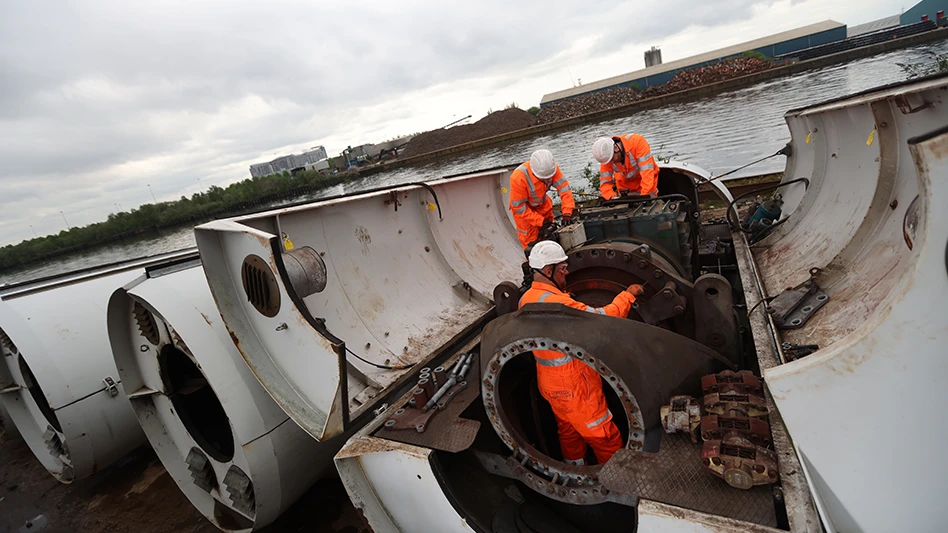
(710, 521)
(801, 511)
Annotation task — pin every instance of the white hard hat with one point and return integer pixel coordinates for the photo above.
(603, 149)
(542, 164)
(546, 253)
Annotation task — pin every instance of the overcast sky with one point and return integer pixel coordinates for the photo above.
(99, 99)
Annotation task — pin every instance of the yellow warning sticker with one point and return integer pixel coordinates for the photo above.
(808, 135)
(287, 243)
(872, 137)
(503, 190)
(432, 207)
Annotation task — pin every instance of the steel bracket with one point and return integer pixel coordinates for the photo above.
(792, 308)
(111, 386)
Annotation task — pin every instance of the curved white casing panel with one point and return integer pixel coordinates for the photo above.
(278, 458)
(401, 283)
(72, 421)
(863, 411)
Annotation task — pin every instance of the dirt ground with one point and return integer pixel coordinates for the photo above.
(137, 495)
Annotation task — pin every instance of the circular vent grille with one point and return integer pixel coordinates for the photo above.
(260, 285)
(7, 343)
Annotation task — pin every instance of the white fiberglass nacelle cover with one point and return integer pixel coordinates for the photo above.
(870, 232)
(364, 286)
(58, 380)
(235, 454)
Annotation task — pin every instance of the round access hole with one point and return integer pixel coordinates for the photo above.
(196, 404)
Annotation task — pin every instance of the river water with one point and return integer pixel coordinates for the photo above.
(718, 133)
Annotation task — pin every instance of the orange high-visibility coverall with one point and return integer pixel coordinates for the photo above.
(573, 389)
(530, 205)
(637, 174)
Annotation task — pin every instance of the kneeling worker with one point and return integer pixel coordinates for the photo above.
(529, 203)
(573, 389)
(626, 166)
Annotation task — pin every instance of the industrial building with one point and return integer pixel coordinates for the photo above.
(774, 45)
(287, 163)
(924, 11)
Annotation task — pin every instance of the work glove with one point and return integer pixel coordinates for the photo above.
(546, 230)
(635, 290)
(567, 218)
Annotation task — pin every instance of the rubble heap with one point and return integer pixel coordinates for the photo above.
(496, 123)
(686, 79)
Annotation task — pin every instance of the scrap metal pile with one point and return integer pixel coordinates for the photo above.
(620, 96)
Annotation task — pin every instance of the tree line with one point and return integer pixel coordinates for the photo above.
(214, 202)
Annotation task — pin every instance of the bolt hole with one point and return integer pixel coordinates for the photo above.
(796, 322)
(419, 476)
(807, 309)
(821, 297)
(711, 293)
(543, 344)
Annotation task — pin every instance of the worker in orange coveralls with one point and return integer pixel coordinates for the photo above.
(529, 203)
(573, 389)
(626, 166)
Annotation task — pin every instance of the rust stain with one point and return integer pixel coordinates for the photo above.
(208, 320)
(233, 337)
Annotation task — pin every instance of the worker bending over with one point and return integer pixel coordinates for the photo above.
(626, 166)
(573, 389)
(529, 203)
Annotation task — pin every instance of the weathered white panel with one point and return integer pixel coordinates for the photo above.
(58, 327)
(883, 333)
(278, 457)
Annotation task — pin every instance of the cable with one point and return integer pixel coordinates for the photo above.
(433, 195)
(762, 300)
(383, 367)
(730, 206)
(786, 150)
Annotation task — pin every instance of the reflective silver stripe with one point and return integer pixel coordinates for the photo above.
(644, 158)
(630, 159)
(518, 202)
(559, 361)
(522, 231)
(544, 296)
(599, 420)
(535, 200)
(520, 210)
(560, 182)
(646, 167)
(607, 181)
(599, 310)
(601, 174)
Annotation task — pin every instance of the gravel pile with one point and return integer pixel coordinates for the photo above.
(688, 79)
(496, 123)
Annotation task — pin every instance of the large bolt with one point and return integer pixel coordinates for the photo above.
(658, 274)
(679, 309)
(643, 264)
(667, 294)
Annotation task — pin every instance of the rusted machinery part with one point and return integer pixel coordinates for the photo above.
(643, 365)
(598, 272)
(506, 297)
